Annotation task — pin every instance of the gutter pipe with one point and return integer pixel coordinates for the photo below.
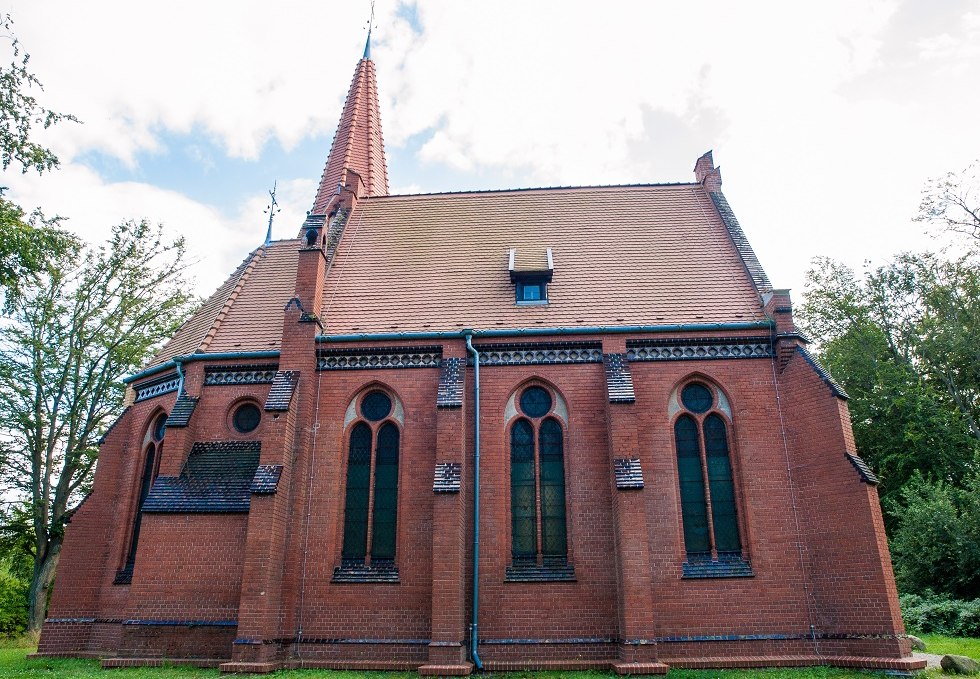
(536, 332)
(179, 360)
(180, 376)
(468, 334)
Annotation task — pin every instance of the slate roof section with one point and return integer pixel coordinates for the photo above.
(623, 255)
(184, 407)
(629, 474)
(452, 375)
(358, 144)
(281, 391)
(266, 479)
(246, 312)
(217, 478)
(745, 251)
(863, 470)
(448, 477)
(619, 379)
(836, 389)
(724, 567)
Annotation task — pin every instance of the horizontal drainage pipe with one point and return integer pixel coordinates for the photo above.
(218, 356)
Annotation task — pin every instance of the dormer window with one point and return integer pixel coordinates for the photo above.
(531, 270)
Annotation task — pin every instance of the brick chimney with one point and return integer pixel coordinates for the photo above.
(706, 173)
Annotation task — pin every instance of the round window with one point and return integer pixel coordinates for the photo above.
(535, 402)
(376, 406)
(246, 417)
(697, 398)
(160, 427)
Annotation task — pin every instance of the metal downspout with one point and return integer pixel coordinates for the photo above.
(179, 364)
(476, 500)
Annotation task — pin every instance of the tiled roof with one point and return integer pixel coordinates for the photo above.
(245, 313)
(623, 255)
(216, 478)
(357, 144)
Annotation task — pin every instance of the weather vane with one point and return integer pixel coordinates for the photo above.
(273, 209)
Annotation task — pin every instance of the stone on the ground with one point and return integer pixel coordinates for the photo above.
(917, 643)
(959, 664)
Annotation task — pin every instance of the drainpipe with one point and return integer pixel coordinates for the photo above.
(476, 499)
(178, 363)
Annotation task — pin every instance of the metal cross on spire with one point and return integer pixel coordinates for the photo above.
(273, 209)
(370, 24)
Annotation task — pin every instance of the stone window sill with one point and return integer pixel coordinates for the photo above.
(553, 572)
(361, 573)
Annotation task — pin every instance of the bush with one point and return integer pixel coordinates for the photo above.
(940, 614)
(936, 546)
(13, 602)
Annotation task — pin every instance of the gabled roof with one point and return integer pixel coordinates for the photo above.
(358, 144)
(623, 255)
(245, 313)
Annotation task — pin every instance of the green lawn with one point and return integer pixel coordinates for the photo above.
(937, 643)
(15, 665)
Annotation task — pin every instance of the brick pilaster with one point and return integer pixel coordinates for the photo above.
(447, 650)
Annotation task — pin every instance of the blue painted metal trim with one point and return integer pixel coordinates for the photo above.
(223, 356)
(538, 332)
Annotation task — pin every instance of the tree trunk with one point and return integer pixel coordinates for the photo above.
(41, 581)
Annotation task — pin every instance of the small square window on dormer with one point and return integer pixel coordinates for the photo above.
(531, 270)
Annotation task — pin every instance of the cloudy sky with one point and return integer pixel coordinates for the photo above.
(826, 118)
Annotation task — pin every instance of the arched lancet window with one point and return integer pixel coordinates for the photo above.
(370, 509)
(705, 473)
(152, 443)
(537, 482)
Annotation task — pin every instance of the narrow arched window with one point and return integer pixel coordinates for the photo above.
(537, 483)
(371, 497)
(358, 493)
(523, 503)
(152, 443)
(708, 503)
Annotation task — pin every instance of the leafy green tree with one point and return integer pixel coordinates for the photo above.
(27, 243)
(936, 547)
(92, 317)
(20, 112)
(882, 336)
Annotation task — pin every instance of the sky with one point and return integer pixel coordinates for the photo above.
(826, 118)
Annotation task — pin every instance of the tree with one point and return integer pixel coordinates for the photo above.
(26, 244)
(952, 202)
(20, 112)
(93, 316)
(899, 340)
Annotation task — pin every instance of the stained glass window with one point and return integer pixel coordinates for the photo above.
(720, 485)
(358, 494)
(694, 509)
(697, 398)
(523, 504)
(385, 494)
(535, 402)
(246, 418)
(553, 540)
(376, 406)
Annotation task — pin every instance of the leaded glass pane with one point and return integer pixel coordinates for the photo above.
(524, 530)
(553, 529)
(357, 495)
(720, 485)
(535, 402)
(246, 418)
(385, 494)
(149, 464)
(376, 406)
(693, 506)
(697, 398)
(160, 427)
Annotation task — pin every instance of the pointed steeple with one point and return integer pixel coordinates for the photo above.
(358, 145)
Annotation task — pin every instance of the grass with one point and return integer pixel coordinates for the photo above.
(15, 665)
(941, 645)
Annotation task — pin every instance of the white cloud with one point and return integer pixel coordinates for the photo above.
(826, 120)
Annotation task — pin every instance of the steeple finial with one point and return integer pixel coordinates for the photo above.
(273, 209)
(367, 44)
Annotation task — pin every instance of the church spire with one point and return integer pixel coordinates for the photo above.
(358, 145)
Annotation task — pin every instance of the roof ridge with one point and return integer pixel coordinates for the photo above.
(226, 307)
(532, 188)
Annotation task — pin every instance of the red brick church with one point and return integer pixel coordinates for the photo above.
(533, 428)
